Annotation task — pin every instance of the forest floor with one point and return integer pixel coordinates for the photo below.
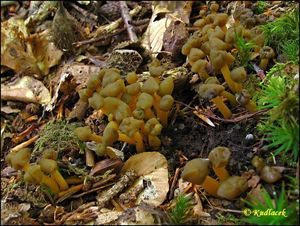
(51, 53)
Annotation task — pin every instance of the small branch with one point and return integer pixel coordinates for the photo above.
(175, 179)
(125, 180)
(24, 144)
(127, 21)
(234, 120)
(84, 12)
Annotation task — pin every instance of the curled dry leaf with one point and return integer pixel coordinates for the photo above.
(21, 52)
(26, 89)
(105, 165)
(153, 38)
(153, 169)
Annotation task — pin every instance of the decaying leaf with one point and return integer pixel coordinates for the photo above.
(204, 118)
(153, 38)
(198, 208)
(145, 163)
(21, 52)
(153, 169)
(26, 89)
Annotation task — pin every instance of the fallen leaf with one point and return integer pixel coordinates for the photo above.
(30, 54)
(204, 118)
(26, 89)
(198, 208)
(153, 169)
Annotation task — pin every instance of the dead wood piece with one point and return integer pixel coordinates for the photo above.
(131, 194)
(124, 181)
(175, 179)
(127, 21)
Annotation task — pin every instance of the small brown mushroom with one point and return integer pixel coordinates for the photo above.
(219, 157)
(196, 172)
(270, 174)
(213, 92)
(238, 75)
(266, 53)
(232, 187)
(220, 60)
(243, 98)
(199, 67)
(258, 163)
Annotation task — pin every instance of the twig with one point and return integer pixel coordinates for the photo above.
(127, 21)
(84, 12)
(175, 178)
(124, 181)
(234, 120)
(24, 144)
(114, 25)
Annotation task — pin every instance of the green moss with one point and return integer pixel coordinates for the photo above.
(58, 135)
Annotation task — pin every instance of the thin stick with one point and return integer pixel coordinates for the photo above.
(84, 12)
(127, 21)
(175, 178)
(234, 120)
(24, 144)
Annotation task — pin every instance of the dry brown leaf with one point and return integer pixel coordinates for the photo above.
(145, 163)
(33, 54)
(26, 89)
(153, 169)
(198, 208)
(204, 118)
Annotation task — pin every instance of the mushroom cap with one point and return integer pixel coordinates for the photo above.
(113, 89)
(153, 127)
(199, 65)
(131, 77)
(138, 113)
(258, 163)
(150, 86)
(50, 154)
(110, 75)
(19, 159)
(33, 175)
(96, 101)
(166, 86)
(219, 156)
(239, 74)
(166, 102)
(195, 170)
(144, 101)
(83, 133)
(209, 91)
(130, 125)
(232, 187)
(133, 88)
(212, 80)
(220, 19)
(270, 174)
(266, 52)
(243, 97)
(196, 54)
(47, 165)
(218, 44)
(220, 58)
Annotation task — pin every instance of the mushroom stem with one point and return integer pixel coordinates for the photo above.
(238, 87)
(96, 138)
(211, 185)
(163, 117)
(203, 74)
(59, 180)
(221, 172)
(226, 74)
(50, 183)
(148, 113)
(139, 142)
(264, 63)
(222, 107)
(123, 137)
(229, 97)
(251, 106)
